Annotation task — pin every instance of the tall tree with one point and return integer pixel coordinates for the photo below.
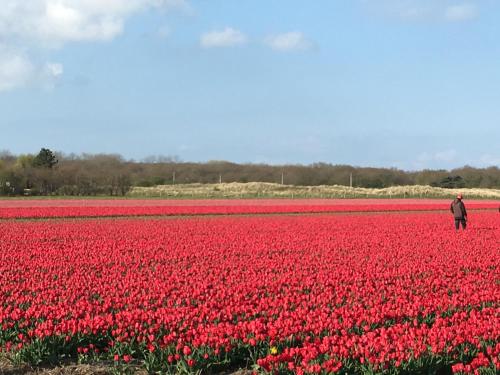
(45, 158)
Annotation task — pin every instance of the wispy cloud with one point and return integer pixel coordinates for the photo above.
(439, 156)
(402, 9)
(424, 10)
(436, 159)
(461, 12)
(228, 37)
(15, 71)
(413, 12)
(489, 160)
(163, 32)
(410, 10)
(291, 41)
(54, 69)
(51, 74)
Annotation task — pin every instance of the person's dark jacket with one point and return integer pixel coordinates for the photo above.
(458, 209)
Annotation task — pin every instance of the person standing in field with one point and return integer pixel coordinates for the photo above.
(459, 212)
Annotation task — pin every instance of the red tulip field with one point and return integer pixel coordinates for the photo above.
(17, 208)
(365, 293)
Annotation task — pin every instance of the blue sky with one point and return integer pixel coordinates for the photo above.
(410, 84)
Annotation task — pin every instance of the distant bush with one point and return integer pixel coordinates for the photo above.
(450, 182)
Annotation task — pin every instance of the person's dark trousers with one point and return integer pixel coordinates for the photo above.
(457, 223)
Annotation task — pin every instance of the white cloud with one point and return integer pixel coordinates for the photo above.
(54, 22)
(18, 71)
(461, 12)
(292, 41)
(30, 26)
(15, 71)
(228, 37)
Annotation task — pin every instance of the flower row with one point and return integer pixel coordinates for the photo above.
(103, 208)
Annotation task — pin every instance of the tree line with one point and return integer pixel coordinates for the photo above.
(52, 173)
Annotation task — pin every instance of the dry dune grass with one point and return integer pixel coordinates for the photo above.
(270, 190)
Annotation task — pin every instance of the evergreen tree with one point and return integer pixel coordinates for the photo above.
(45, 159)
